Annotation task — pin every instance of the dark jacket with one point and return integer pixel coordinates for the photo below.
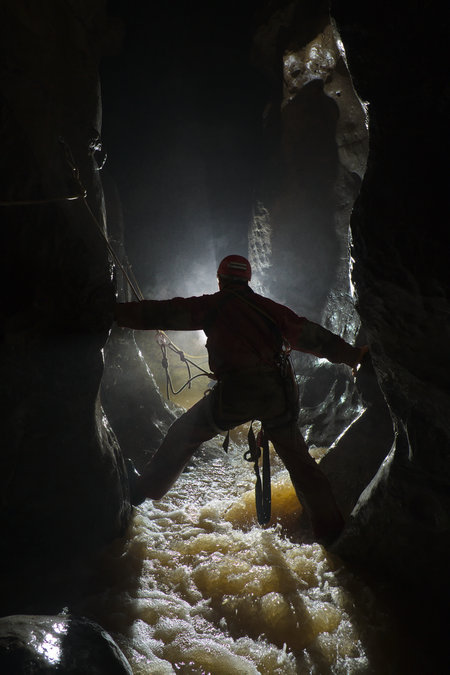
(244, 330)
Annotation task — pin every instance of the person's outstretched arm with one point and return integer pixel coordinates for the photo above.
(129, 315)
(315, 339)
(173, 314)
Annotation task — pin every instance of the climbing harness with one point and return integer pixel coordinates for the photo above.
(259, 446)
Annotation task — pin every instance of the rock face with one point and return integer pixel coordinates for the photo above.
(132, 400)
(400, 526)
(396, 57)
(129, 394)
(63, 482)
(316, 146)
(356, 455)
(58, 644)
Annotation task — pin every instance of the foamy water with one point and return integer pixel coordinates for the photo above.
(197, 586)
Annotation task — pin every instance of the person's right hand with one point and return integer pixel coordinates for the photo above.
(362, 352)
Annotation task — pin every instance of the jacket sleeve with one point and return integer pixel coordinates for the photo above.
(315, 339)
(174, 314)
(312, 338)
(128, 314)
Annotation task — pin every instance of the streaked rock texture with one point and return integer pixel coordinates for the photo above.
(315, 166)
(129, 394)
(63, 480)
(401, 525)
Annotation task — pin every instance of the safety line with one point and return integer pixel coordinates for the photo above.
(163, 339)
(36, 202)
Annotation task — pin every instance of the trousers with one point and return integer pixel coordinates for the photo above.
(236, 399)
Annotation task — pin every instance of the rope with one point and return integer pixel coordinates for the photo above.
(134, 286)
(163, 340)
(35, 202)
(76, 174)
(69, 198)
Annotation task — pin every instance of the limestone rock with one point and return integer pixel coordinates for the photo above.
(132, 400)
(358, 453)
(400, 526)
(129, 394)
(58, 644)
(316, 140)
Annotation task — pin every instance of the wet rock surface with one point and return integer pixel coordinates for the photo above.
(357, 454)
(316, 145)
(399, 525)
(58, 644)
(132, 399)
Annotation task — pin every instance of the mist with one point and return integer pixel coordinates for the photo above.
(181, 130)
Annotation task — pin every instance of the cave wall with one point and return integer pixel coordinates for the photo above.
(63, 480)
(399, 529)
(316, 140)
(397, 60)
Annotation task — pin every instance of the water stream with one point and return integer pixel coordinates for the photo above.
(197, 586)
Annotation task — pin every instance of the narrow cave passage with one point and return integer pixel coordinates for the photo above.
(207, 583)
(231, 128)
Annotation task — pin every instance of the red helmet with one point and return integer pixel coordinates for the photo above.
(235, 266)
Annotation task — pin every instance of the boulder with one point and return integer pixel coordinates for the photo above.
(72, 645)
